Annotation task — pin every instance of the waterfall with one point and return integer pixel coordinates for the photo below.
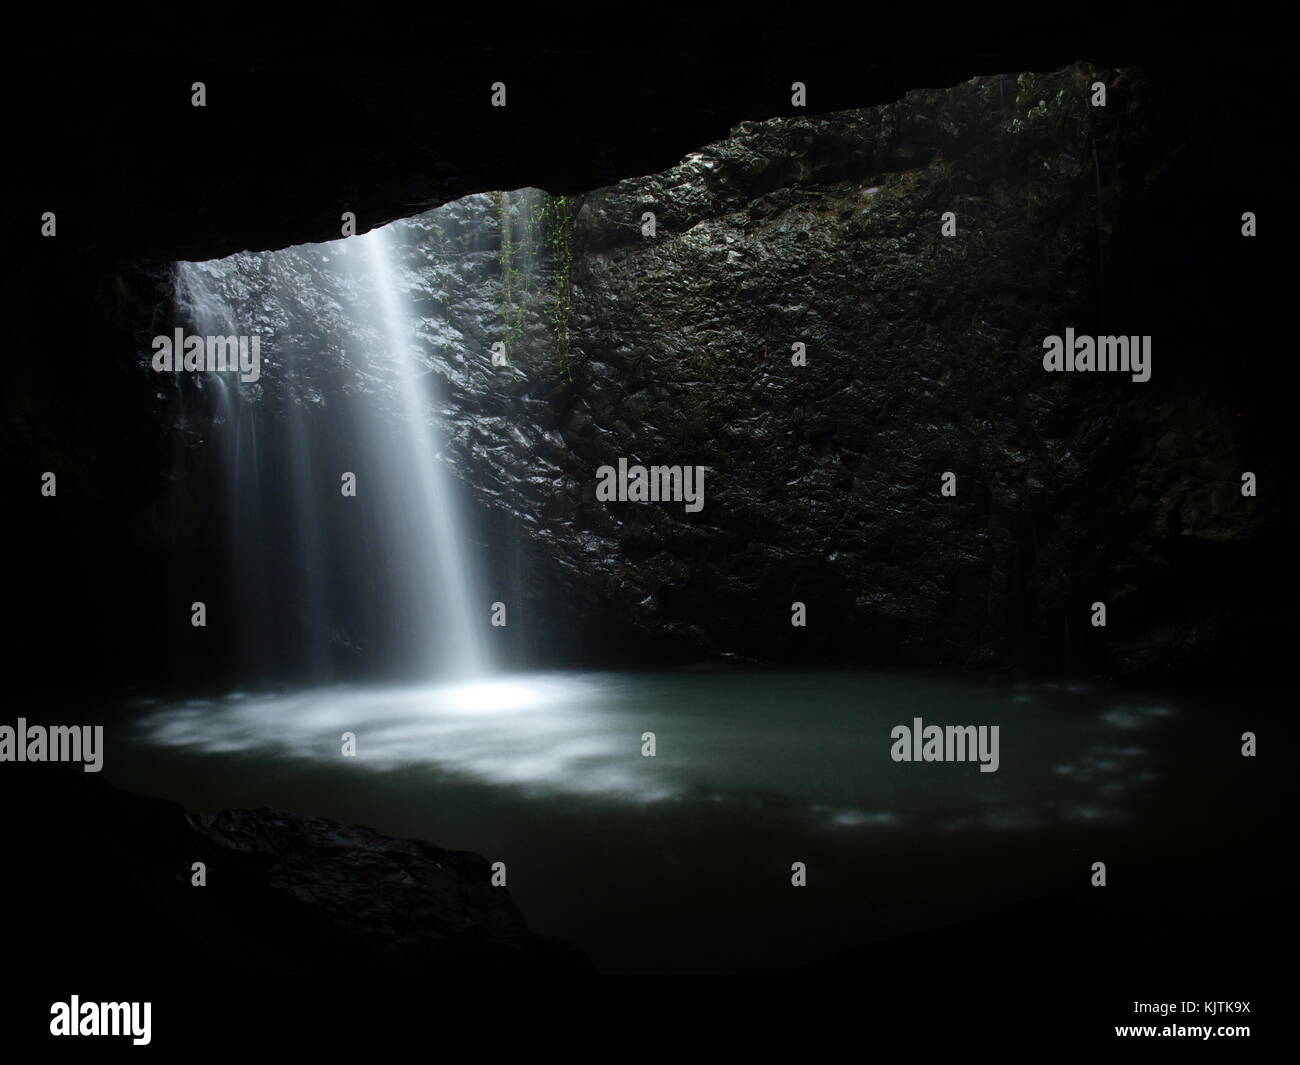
(423, 505)
(391, 561)
(200, 293)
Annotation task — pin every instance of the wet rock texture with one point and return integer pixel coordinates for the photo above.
(923, 356)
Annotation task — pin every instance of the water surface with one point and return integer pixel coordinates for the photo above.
(682, 861)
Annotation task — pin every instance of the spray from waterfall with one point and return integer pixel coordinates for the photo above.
(425, 505)
(390, 563)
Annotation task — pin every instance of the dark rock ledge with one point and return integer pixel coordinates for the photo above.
(399, 904)
(101, 878)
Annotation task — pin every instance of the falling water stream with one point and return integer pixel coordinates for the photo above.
(411, 531)
(435, 536)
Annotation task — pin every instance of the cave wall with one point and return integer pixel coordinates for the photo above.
(924, 357)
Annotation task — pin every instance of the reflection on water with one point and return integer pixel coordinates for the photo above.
(681, 862)
(812, 745)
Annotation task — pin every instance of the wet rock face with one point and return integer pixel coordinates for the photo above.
(924, 356)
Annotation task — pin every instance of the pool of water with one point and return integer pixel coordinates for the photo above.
(683, 861)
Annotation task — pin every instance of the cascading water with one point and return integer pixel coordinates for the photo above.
(199, 290)
(426, 510)
(395, 562)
